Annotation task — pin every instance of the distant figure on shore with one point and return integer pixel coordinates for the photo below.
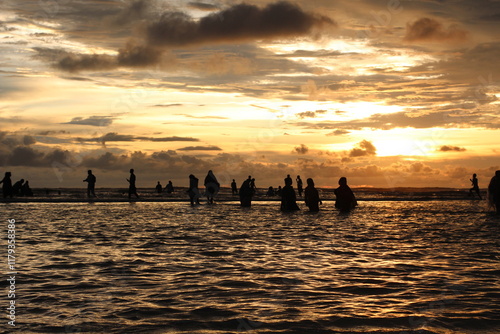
(234, 187)
(7, 185)
(299, 185)
(288, 197)
(279, 192)
(26, 190)
(289, 178)
(159, 187)
(253, 186)
(246, 193)
(212, 186)
(345, 199)
(475, 187)
(193, 191)
(132, 189)
(91, 180)
(494, 192)
(270, 191)
(169, 188)
(311, 196)
(16, 188)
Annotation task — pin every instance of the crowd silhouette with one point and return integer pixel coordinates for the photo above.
(345, 200)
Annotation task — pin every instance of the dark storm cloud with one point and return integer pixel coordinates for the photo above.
(310, 114)
(427, 29)
(237, 23)
(115, 137)
(200, 148)
(203, 6)
(448, 148)
(92, 121)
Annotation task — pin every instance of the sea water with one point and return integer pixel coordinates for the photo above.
(386, 267)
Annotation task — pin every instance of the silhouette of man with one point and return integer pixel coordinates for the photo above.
(193, 191)
(311, 196)
(212, 186)
(7, 185)
(345, 200)
(91, 180)
(26, 189)
(494, 191)
(475, 187)
(246, 193)
(288, 197)
(132, 190)
(169, 188)
(299, 185)
(16, 188)
(234, 187)
(159, 188)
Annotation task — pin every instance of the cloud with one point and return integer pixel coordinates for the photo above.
(302, 149)
(447, 148)
(431, 30)
(365, 148)
(28, 140)
(338, 133)
(203, 6)
(115, 137)
(310, 114)
(92, 120)
(201, 148)
(238, 23)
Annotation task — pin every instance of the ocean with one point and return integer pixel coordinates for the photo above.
(165, 267)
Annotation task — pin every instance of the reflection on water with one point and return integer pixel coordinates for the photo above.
(391, 267)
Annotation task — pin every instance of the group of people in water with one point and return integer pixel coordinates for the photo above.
(19, 188)
(345, 199)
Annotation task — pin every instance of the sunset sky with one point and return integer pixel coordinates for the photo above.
(387, 93)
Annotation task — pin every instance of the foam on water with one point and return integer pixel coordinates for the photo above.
(388, 267)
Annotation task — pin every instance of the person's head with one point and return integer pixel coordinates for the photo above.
(249, 177)
(170, 182)
(191, 176)
(288, 182)
(8, 174)
(234, 180)
(131, 170)
(298, 176)
(474, 175)
(158, 182)
(253, 179)
(22, 180)
(310, 182)
(89, 171)
(343, 181)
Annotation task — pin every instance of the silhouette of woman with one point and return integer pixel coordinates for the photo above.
(16, 188)
(311, 196)
(91, 180)
(494, 191)
(212, 186)
(7, 185)
(169, 188)
(288, 197)
(132, 190)
(159, 188)
(475, 187)
(193, 191)
(299, 185)
(246, 193)
(234, 187)
(345, 200)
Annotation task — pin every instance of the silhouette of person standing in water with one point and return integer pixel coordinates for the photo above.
(159, 188)
(132, 190)
(193, 191)
(345, 200)
(288, 197)
(494, 191)
(475, 187)
(234, 187)
(246, 193)
(26, 190)
(7, 185)
(311, 196)
(169, 188)
(299, 185)
(16, 188)
(91, 180)
(212, 186)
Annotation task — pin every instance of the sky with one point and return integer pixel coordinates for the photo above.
(386, 93)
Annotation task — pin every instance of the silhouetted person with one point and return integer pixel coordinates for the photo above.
(246, 193)
(169, 188)
(288, 197)
(132, 189)
(193, 191)
(279, 191)
(16, 188)
(299, 185)
(270, 191)
(7, 185)
(212, 186)
(289, 178)
(494, 191)
(475, 187)
(253, 186)
(159, 188)
(26, 190)
(91, 180)
(311, 196)
(234, 187)
(345, 199)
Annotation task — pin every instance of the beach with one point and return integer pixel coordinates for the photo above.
(166, 267)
